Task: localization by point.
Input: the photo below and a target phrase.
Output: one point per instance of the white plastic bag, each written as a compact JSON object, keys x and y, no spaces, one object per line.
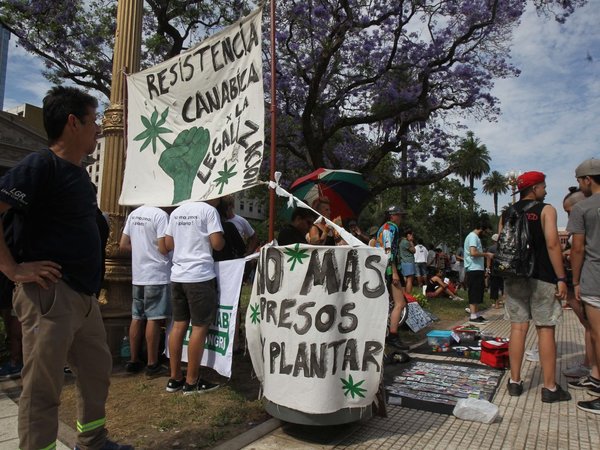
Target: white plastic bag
{"x":475,"y":410}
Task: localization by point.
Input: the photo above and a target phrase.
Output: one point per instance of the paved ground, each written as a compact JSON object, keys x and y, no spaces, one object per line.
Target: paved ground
{"x":525,"y":423}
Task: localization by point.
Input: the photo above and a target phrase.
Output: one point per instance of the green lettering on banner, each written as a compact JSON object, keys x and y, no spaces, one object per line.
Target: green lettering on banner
{"x":217,"y":341}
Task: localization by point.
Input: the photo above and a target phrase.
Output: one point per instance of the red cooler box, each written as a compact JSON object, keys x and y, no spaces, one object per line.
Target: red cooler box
{"x":494,"y":354}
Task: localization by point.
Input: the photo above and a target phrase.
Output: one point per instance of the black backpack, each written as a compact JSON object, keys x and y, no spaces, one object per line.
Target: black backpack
{"x":515,"y":255}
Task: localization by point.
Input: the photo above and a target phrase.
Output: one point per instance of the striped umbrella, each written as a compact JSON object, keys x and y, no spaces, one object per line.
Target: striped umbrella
{"x":346,"y":190}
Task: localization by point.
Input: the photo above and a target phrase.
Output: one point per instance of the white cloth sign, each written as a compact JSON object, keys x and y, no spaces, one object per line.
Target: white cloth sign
{"x":316,"y":325}
{"x":218,"y":348}
{"x":195,"y":123}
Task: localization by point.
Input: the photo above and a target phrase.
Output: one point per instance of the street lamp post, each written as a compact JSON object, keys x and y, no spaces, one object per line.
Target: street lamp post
{"x":511,"y":180}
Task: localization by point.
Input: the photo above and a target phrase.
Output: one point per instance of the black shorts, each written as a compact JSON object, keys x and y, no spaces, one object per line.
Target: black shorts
{"x":475,"y":286}
{"x":195,"y":302}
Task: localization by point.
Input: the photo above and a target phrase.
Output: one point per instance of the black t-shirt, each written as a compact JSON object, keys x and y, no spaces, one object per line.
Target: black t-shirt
{"x":234,"y":244}
{"x":59,"y":207}
{"x":289,"y":234}
{"x":542,"y":267}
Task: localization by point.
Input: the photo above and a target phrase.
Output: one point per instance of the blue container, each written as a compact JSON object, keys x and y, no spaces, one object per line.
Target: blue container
{"x":439,"y":340}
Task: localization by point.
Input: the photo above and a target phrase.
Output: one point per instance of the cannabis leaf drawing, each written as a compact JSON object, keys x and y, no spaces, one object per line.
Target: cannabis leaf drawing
{"x":182,"y":159}
{"x":255,"y":313}
{"x":224,"y":177}
{"x":296,"y":255}
{"x":154,"y":128}
{"x":352,"y":388}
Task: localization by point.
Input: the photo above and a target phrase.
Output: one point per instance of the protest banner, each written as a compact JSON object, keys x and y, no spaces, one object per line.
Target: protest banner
{"x":195,"y":123}
{"x":218,"y":348}
{"x":316,"y":324}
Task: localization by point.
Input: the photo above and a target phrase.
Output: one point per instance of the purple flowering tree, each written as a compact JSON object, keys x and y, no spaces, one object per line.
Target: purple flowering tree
{"x":376,"y":86}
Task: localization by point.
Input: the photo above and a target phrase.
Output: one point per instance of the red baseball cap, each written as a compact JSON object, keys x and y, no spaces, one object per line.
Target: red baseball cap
{"x":529,"y":179}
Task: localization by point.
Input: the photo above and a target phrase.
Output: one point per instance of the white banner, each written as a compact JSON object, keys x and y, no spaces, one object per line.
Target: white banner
{"x":218,"y":348}
{"x":195,"y":123}
{"x":316,"y":325}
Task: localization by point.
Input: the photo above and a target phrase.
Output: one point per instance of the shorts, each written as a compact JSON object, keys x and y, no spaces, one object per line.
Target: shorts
{"x":591,"y":300}
{"x":530,"y":299}
{"x":195,"y":302}
{"x":475,"y":286}
{"x":408,"y":269}
{"x":151,"y":302}
{"x":421,"y":269}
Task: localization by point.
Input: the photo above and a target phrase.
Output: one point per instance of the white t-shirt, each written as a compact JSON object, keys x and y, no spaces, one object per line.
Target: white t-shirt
{"x":243,"y":227}
{"x":144,"y":226}
{"x":190,"y":226}
{"x":420,"y":253}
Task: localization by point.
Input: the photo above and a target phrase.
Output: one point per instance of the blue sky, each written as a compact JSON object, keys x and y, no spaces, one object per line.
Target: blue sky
{"x":549,"y":113}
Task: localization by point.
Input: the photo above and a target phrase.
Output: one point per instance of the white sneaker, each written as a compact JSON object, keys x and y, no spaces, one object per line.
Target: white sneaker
{"x":576,"y":371}
{"x":532,"y":355}
{"x":468,"y":310}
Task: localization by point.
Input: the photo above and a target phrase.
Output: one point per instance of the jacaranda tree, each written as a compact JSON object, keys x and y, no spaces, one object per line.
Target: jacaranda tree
{"x":358,"y":81}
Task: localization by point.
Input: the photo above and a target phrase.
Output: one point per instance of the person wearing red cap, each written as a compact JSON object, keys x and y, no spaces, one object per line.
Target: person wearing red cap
{"x":537,"y":298}
{"x":584,"y":224}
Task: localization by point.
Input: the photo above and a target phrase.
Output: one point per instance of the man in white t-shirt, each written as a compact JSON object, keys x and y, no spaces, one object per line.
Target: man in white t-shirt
{"x":421,"y":263}
{"x":144,"y":237}
{"x":194,"y":231}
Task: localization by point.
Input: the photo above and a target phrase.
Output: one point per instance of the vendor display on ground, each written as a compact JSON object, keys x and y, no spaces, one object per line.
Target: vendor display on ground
{"x":437,"y":385}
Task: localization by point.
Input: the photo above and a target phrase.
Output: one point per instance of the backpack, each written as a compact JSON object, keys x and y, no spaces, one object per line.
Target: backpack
{"x":515,"y":255}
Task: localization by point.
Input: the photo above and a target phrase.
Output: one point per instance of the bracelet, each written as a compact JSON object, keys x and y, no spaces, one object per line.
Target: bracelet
{"x":563,"y":279}
{"x":575,"y":283}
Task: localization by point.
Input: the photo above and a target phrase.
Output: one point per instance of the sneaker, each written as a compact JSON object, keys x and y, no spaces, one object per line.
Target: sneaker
{"x":174,"y":385}
{"x":585,"y":382}
{"x":559,"y":395}
{"x":592,"y":406}
{"x":576,"y":371}
{"x":515,"y":389}
{"x":200,"y":387}
{"x":468,"y":310}
{"x":395,"y":341}
{"x":134,"y":366}
{"x":9,"y":371}
{"x":110,"y":445}
{"x":479,"y":319}
{"x":156,"y":370}
{"x":456,"y":298}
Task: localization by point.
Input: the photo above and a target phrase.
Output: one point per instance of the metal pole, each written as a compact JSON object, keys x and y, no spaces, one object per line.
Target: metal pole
{"x":273,"y":125}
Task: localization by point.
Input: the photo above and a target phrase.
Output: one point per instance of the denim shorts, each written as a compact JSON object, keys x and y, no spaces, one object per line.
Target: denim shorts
{"x":151,"y":302}
{"x":530,"y":299}
{"x":195,"y":302}
{"x":421,"y":269}
{"x":408,"y":269}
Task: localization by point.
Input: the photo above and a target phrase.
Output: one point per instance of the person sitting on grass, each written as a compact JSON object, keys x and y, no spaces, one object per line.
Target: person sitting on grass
{"x":437,"y":287}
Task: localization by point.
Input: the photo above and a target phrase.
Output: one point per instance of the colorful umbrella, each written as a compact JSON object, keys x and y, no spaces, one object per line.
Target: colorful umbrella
{"x":346,"y":190}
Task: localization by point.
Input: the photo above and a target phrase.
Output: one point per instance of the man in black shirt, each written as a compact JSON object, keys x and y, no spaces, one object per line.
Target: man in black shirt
{"x":58,"y":277}
{"x":537,"y":298}
{"x":295,"y":232}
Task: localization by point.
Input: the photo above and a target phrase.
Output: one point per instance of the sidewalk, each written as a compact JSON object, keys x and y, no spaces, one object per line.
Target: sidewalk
{"x":526,"y":422}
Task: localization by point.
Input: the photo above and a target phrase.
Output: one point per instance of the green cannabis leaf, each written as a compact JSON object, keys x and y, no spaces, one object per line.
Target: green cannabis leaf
{"x":224,"y":177}
{"x":255,"y":313}
{"x":153,"y":130}
{"x":296,"y":255}
{"x":182,"y":159}
{"x":352,"y":388}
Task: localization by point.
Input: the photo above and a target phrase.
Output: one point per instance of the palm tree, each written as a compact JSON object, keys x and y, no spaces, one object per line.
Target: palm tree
{"x":471,"y":162}
{"x":495,"y":184}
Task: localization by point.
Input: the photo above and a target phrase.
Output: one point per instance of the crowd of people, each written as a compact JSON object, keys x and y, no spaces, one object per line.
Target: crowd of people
{"x":57,"y":268}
